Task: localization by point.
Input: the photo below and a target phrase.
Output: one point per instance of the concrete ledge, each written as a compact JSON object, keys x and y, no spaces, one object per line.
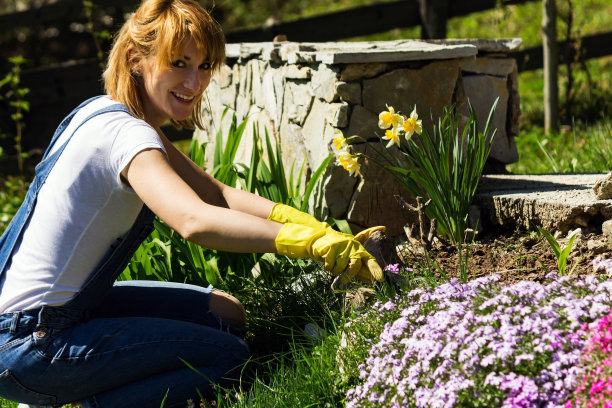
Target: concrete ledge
{"x":552,"y":201}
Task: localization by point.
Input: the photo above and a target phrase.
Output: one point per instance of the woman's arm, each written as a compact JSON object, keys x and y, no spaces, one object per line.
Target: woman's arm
{"x":166,"y":193}
{"x":213,"y":191}
{"x":200,"y":217}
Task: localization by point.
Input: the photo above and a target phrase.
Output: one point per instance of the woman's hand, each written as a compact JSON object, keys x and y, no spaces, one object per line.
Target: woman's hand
{"x":342,"y":254}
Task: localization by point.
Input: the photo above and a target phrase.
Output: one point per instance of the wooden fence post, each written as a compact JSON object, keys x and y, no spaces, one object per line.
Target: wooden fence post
{"x":551,"y":66}
{"x":434,"y":14}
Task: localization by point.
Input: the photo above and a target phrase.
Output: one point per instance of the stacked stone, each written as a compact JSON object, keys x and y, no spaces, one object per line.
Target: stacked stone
{"x":301,"y":93}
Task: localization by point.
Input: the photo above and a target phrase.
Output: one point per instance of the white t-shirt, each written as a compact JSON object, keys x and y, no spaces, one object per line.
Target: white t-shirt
{"x":82,"y":209}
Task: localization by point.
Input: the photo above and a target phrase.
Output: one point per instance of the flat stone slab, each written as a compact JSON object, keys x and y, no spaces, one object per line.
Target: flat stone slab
{"x":553,"y":201}
{"x":363,"y":52}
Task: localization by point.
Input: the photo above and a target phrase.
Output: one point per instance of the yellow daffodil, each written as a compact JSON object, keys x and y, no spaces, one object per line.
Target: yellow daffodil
{"x":392,"y":136}
{"x":349,"y":162}
{"x":344,"y":158}
{"x":339,"y":141}
{"x":389,"y":118}
{"x":353,"y":166}
{"x":412,"y":124}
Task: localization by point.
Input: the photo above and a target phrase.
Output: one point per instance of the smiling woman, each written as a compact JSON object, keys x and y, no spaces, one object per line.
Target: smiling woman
{"x":172,"y":92}
{"x":174,"y":26}
{"x":67,"y":331}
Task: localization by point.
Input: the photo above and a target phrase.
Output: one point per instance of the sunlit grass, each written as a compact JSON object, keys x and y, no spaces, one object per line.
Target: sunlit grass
{"x":307,"y":376}
{"x":577,"y":149}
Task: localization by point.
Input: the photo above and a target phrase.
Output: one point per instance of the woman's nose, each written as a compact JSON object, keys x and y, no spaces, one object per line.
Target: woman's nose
{"x":193,"y":81}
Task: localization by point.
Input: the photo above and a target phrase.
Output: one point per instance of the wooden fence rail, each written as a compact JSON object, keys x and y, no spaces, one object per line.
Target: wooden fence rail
{"x":333,"y":26}
{"x":353,"y":22}
{"x":358,"y":21}
{"x":66,"y":10}
{"x":590,"y":46}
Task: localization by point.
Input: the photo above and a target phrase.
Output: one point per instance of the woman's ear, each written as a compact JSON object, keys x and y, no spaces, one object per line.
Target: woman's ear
{"x":135,"y":61}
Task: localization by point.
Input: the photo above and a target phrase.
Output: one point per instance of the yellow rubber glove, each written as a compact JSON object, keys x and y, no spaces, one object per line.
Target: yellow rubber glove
{"x":283,"y":213}
{"x":340,"y":253}
{"x":371,"y":271}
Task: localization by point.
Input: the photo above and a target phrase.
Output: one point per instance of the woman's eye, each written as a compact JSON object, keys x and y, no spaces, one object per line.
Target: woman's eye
{"x":205,"y":66}
{"x":178,"y":64}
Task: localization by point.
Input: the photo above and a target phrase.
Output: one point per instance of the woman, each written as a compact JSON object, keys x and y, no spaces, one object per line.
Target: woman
{"x":67,"y":331}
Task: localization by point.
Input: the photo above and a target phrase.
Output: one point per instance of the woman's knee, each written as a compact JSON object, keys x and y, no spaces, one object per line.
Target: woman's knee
{"x":228,"y":308}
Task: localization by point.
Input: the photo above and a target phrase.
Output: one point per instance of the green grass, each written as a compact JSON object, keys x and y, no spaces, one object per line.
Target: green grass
{"x":577,"y":149}
{"x":307,"y":376}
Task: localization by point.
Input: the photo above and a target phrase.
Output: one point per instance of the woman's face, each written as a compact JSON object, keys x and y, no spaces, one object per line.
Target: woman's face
{"x":172,"y":92}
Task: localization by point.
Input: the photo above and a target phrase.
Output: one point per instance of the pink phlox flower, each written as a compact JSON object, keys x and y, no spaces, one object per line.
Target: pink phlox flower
{"x":394,"y":268}
{"x":597,"y":386}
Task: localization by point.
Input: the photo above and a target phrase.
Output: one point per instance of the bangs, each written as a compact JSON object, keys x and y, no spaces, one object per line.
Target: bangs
{"x":185,"y":22}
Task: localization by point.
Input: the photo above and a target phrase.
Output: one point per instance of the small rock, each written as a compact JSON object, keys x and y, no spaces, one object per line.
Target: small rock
{"x":382,"y":247}
{"x":597,"y":246}
{"x":603,"y":188}
{"x":314,"y":332}
{"x":470,"y":235}
{"x":606,"y":229}
{"x":359,"y":298}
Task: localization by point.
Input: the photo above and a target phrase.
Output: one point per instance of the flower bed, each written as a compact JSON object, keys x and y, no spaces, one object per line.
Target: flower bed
{"x":480,"y":344}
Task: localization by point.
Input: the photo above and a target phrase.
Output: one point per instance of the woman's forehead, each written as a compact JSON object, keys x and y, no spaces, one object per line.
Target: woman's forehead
{"x":190,"y":50}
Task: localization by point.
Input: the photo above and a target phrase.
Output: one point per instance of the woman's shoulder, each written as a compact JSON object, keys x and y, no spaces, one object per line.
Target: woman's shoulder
{"x":104,"y":112}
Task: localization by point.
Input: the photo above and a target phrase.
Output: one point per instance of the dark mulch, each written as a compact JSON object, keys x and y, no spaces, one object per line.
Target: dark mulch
{"x":520,"y":255}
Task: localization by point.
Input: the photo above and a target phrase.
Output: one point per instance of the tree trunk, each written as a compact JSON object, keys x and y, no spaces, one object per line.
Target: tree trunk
{"x":434,"y":14}
{"x":551,"y":65}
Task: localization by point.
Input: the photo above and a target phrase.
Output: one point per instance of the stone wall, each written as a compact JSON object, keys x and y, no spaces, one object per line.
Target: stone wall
{"x":303,"y":92}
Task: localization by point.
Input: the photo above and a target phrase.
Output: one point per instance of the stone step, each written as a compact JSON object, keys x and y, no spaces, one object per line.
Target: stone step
{"x":554,"y":202}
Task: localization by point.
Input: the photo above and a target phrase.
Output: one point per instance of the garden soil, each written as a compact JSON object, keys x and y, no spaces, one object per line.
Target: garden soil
{"x":510,"y":207}
{"x":521,"y":256}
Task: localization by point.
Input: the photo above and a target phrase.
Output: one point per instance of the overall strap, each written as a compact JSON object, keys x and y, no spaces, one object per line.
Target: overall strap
{"x":46,"y":165}
{"x":13,"y":232}
{"x":64,"y":124}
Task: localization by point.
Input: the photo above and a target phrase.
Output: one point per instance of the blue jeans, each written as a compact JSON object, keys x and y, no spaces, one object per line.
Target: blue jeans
{"x":131,"y":350}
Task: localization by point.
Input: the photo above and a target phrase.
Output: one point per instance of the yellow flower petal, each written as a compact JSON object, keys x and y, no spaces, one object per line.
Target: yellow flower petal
{"x":344,"y":158}
{"x":349,"y":162}
{"x":389,"y":118}
{"x":393,"y":136}
{"x":339,"y":141}
{"x":353,"y":166}
{"x":418,"y":125}
{"x":412,"y":124}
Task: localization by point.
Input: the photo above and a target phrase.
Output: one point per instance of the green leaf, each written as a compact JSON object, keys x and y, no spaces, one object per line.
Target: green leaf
{"x":560,"y":254}
{"x":17,"y":60}
{"x":562,"y":261}
{"x":551,"y":241}
{"x":314,"y":180}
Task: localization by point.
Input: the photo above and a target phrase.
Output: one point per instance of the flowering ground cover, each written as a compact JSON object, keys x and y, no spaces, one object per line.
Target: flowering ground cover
{"x":483,"y":343}
{"x":595,"y":387}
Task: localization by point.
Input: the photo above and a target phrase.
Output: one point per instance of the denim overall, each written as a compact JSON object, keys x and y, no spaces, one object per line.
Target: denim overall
{"x":125,"y":344}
